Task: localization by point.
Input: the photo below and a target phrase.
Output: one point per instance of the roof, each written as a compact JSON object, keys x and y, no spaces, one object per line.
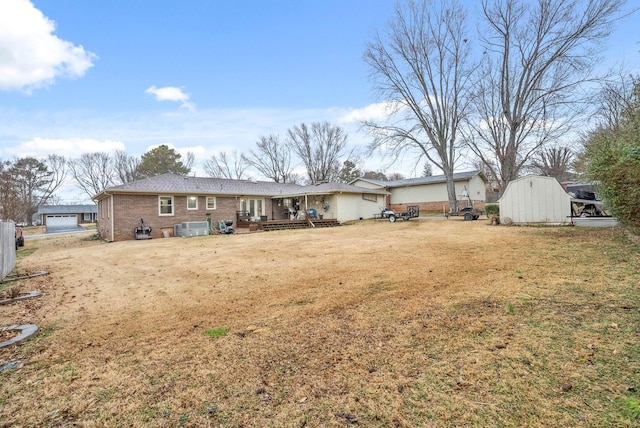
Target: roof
{"x":67,"y":209}
{"x":457,"y":176}
{"x":178,"y":184}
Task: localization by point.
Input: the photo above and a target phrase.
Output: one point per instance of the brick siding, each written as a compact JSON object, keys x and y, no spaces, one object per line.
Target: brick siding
{"x":129,"y":209}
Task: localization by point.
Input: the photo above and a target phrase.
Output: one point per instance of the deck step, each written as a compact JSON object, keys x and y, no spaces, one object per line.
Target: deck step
{"x":297,"y":224}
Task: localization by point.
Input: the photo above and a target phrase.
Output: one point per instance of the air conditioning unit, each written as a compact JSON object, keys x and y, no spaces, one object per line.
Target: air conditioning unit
{"x":195,"y":228}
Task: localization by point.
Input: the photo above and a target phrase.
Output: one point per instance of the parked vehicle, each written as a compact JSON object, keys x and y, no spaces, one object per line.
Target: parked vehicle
{"x":468,"y":212}
{"x":19,"y":237}
{"x":412,"y":212}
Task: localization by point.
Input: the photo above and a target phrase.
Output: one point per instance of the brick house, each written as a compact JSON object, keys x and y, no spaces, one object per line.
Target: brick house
{"x":169,"y":199}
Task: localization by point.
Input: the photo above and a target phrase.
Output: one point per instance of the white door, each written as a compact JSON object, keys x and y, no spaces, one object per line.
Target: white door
{"x":61,"y":221}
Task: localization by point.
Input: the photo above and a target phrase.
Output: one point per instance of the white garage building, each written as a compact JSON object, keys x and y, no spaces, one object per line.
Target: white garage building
{"x":66,"y":216}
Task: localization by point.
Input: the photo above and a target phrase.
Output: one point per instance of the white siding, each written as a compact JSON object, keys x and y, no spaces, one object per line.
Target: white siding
{"x":420,"y":193}
{"x":536,"y":199}
{"x":352,"y":206}
{"x":437,"y":192}
{"x":366,"y":184}
{"x":477,"y":189}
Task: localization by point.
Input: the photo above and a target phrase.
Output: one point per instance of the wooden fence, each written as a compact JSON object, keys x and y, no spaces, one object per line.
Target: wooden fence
{"x":7,"y":248}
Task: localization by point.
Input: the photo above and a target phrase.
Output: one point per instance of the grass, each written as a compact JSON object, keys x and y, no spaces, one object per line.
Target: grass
{"x":422,"y":323}
{"x":216,"y":332}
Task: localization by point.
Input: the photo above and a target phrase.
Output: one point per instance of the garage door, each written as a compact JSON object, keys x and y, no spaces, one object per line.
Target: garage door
{"x":62,"y":221}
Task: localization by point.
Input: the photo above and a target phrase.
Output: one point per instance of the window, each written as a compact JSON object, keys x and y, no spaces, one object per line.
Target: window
{"x":370,"y":197}
{"x":86,"y":217}
{"x":192,"y":202}
{"x":166,"y":205}
{"x":211,"y":202}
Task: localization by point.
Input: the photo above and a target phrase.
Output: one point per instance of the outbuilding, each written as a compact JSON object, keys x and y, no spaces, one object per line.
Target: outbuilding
{"x":430,"y":193}
{"x":535,"y":199}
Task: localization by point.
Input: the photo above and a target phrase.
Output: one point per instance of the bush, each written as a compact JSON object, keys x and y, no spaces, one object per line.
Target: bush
{"x":492,"y":209}
{"x":613,"y":161}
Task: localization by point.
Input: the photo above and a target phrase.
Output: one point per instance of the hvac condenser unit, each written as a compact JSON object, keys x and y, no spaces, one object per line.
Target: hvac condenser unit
{"x":195,"y":228}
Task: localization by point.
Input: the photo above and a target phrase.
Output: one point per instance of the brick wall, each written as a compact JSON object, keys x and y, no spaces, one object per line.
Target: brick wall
{"x":129,"y":209}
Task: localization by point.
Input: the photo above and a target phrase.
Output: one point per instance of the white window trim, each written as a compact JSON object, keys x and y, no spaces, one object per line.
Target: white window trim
{"x":188,"y":199}
{"x":215,"y":202}
{"x":173,"y":208}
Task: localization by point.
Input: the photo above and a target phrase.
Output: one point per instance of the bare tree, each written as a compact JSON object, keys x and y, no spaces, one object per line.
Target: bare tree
{"x":189,"y":160}
{"x":34,"y":183}
{"x":9,"y":200}
{"x":537,"y":57}
{"x":93,"y":172}
{"x":273,"y":159}
{"x":227,"y":165}
{"x":125,"y":166}
{"x":615,"y":101}
{"x":320,"y":148}
{"x":553,"y":162}
{"x":422,"y":67}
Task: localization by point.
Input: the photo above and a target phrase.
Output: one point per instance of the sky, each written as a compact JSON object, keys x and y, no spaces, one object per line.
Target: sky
{"x":203,"y":76}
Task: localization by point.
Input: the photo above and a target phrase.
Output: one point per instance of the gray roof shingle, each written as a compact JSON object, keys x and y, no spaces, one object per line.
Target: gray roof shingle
{"x":67,"y":209}
{"x":173,"y":183}
{"x":422,"y":180}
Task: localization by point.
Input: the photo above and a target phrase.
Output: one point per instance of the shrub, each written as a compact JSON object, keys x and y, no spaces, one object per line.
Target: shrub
{"x":492,"y":209}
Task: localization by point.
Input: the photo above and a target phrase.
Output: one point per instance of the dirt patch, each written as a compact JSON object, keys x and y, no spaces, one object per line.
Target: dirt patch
{"x":415,"y":323}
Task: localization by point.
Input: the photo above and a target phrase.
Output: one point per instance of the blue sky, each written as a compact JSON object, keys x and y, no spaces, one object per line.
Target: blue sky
{"x":201,"y":75}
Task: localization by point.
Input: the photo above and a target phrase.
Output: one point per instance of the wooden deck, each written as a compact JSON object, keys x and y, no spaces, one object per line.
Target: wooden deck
{"x":292,"y":224}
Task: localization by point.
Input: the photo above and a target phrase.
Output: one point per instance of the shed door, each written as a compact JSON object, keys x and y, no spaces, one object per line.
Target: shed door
{"x":69,"y":220}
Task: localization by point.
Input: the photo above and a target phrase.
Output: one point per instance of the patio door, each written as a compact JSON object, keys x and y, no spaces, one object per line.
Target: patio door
{"x":255,"y":207}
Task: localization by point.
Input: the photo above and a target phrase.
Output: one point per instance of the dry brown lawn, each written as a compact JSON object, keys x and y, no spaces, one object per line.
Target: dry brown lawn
{"x":373,"y":324}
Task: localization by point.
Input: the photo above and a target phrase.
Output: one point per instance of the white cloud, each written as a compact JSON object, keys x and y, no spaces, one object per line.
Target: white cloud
{"x":171,"y":93}
{"x":31,"y":56}
{"x":377,"y":111}
{"x":70,"y":148}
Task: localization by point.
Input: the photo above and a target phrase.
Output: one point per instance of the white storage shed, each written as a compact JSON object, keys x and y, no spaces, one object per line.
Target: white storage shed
{"x":535,"y":199}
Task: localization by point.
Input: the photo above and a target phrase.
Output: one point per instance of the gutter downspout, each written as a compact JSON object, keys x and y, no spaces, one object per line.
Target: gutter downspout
{"x":113,"y":220}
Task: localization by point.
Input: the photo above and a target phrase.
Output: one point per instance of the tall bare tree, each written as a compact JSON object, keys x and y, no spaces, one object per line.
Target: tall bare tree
{"x":421,"y":65}
{"x":615,"y":101}
{"x":125,"y":166}
{"x":320,"y":148}
{"x":272,"y":159}
{"x":553,"y":162}
{"x":93,"y":172}
{"x":538,"y":54}
{"x":230,"y":165}
{"x":34,"y":183}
